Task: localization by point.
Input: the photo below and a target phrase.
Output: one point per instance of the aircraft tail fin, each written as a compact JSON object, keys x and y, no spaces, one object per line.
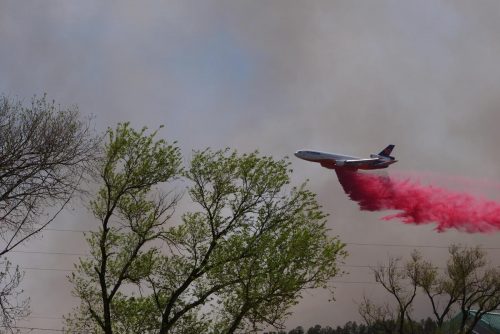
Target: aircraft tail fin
{"x":386,"y":152}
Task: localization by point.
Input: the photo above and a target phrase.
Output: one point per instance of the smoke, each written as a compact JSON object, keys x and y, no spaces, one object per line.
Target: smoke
{"x":421,"y":204}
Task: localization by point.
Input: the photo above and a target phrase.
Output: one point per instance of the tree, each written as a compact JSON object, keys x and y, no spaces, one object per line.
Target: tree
{"x":429,"y":326}
{"x":129,"y":219}
{"x":44,"y":153}
{"x":314,"y":330}
{"x":442,"y":290}
{"x":394,"y":280}
{"x":12,"y":305}
{"x":297,"y":330}
{"x":238,"y":261}
{"x":468,"y":284}
{"x":426,"y":326}
{"x":380,"y":318}
{"x":478,"y":285}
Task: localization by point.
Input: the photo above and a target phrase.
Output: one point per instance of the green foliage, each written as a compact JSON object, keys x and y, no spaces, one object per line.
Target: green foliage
{"x":130,"y":218}
{"x":132,"y":164}
{"x":240,"y":259}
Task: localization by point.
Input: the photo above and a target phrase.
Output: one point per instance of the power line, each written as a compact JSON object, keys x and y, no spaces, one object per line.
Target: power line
{"x":43,"y":317}
{"x":355,"y":282}
{"x":47,"y":269}
{"x":87,"y":255}
{"x":70,"y":270}
{"x":39,"y":329}
{"x":343,"y":266}
{"x":49,"y":253}
{"x":67,"y":230}
{"x":410,"y":245}
{"x":347,"y":243}
{"x":42,"y":329}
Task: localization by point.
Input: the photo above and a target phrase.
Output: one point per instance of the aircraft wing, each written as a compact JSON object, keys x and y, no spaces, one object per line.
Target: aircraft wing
{"x":359,"y":162}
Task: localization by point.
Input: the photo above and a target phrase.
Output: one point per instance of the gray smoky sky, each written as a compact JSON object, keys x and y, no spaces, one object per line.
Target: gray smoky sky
{"x":277,"y":76}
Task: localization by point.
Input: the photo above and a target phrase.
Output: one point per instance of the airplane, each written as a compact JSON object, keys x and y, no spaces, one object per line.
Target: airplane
{"x":340,"y":161}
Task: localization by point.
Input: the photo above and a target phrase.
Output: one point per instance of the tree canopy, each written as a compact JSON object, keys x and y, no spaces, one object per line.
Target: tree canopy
{"x":237,"y":260}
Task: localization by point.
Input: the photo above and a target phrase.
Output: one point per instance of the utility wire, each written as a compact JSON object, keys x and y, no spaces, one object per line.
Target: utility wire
{"x":66,"y":230}
{"x":42,"y":329}
{"x":48,"y":253}
{"x":46,"y":269}
{"x":347,"y":243}
{"x":38,"y":329}
{"x":342,"y":266}
{"x":410,"y":245}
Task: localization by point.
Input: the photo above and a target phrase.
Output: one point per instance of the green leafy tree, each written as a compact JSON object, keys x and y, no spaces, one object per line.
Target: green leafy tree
{"x":130,"y":218}
{"x":236,"y":262}
{"x":248,"y":251}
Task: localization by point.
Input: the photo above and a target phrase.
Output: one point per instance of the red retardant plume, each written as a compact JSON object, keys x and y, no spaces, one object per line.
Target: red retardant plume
{"x":421,"y":204}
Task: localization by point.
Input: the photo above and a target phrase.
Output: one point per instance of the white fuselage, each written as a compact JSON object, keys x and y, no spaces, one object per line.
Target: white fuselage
{"x":317,"y":155}
{"x":334,"y":160}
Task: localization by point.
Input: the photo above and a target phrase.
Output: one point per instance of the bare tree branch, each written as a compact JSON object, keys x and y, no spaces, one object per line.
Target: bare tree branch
{"x":45,"y":153}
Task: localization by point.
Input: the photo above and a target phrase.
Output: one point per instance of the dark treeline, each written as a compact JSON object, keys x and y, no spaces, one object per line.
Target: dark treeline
{"x":423,"y":327}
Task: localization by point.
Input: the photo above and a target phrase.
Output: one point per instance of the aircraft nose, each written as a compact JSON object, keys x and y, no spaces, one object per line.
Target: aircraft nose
{"x":301,"y":154}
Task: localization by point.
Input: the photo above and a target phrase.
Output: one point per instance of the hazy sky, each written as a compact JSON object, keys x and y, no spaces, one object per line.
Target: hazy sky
{"x":278,"y":76}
